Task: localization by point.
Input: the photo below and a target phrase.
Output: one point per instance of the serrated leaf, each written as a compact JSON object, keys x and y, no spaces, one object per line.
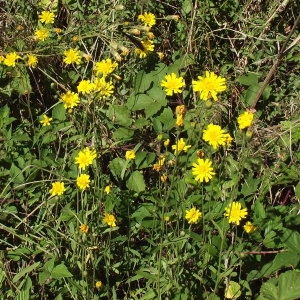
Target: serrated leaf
{"x":288,"y":285}
{"x":120,"y":115}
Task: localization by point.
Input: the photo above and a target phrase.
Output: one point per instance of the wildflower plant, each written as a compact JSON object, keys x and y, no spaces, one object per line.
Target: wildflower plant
{"x":118,"y":181}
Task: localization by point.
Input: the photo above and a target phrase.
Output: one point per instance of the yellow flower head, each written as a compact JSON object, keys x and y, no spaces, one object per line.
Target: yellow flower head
{"x":58,"y":188}
{"x":85,"y":158}
{"x":163,"y":178}
{"x":235,"y":213}
{"x":46,"y":17}
{"x":98,"y":284}
{"x":84,"y":228}
{"x":104,"y":88}
{"x":85,"y":87}
{"x":180,"y":146}
{"x":72,"y":55}
{"x":179,"y":120}
{"x":130,"y":155}
{"x":107,"y":189}
{"x":157,"y":167}
{"x":167,"y":218}
{"x":148,"y":19}
{"x":180,"y":110}
{"x":202,"y":170}
{"x":245,"y":120}
{"x":105,"y":67}
{"x":41,"y":34}
{"x":228,"y":139}
{"x":215,"y":136}
{"x":83,"y":181}
{"x":172,"y":84}
{"x":10,"y":59}
{"x":69,"y":99}
{"x":45,"y":121}
{"x":193,"y":215}
{"x":209,"y":86}
{"x":32,"y":61}
{"x":110,"y":220}
{"x":249,"y":227}
{"x":166,"y":142}
{"x":147,"y":47}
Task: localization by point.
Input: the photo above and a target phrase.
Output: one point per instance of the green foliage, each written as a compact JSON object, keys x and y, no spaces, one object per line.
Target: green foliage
{"x":129,"y":232}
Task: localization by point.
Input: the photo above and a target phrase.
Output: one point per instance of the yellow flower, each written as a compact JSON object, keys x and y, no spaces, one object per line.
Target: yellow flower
{"x":107,"y":189}
{"x":85,"y":87}
{"x":110,"y":220}
{"x":83,"y":181}
{"x":180,"y":110}
{"x":58,"y":30}
{"x":214,"y":135}
{"x":157,"y":167}
{"x":179,"y":120}
{"x":129,"y":155}
{"x":10,"y":59}
{"x":150,"y":35}
{"x":172,"y":84}
{"x":85,"y":158}
{"x":148,"y":19}
{"x":105,"y":67}
{"x":245,"y":120}
{"x":249,"y":227}
{"x":166,"y":142}
{"x":46,"y":17}
{"x":32,"y":61}
{"x":180,"y":146}
{"x":104,"y":88}
{"x":202,"y":170}
{"x":46,"y":121}
{"x":41,"y":34}
{"x":209,"y":86}
{"x":58,"y":188}
{"x":167,"y":218}
{"x":193,"y":215}
{"x":235,"y":213}
{"x":72,"y":55}
{"x":84,"y":228}
{"x":98,"y":284}
{"x":69,"y":99}
{"x":160,"y":55}
{"x":163,"y":178}
{"x":228,"y":139}
{"x":147,"y":47}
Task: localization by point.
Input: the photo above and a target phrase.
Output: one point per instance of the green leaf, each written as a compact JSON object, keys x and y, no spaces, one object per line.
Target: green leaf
{"x":291,"y":239}
{"x":249,"y":79}
{"x":60,"y":271}
{"x":288,"y":285}
{"x":281,"y":260}
{"x":120,"y":115}
{"x":285,"y":287}
{"x":142,"y":82}
{"x":144,"y":159}
{"x":16,"y":174}
{"x":139,"y":102}
{"x":136,"y":182}
{"x":25,"y":271}
{"x":59,"y":112}
{"x":116,"y":166}
{"x":123,"y":133}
